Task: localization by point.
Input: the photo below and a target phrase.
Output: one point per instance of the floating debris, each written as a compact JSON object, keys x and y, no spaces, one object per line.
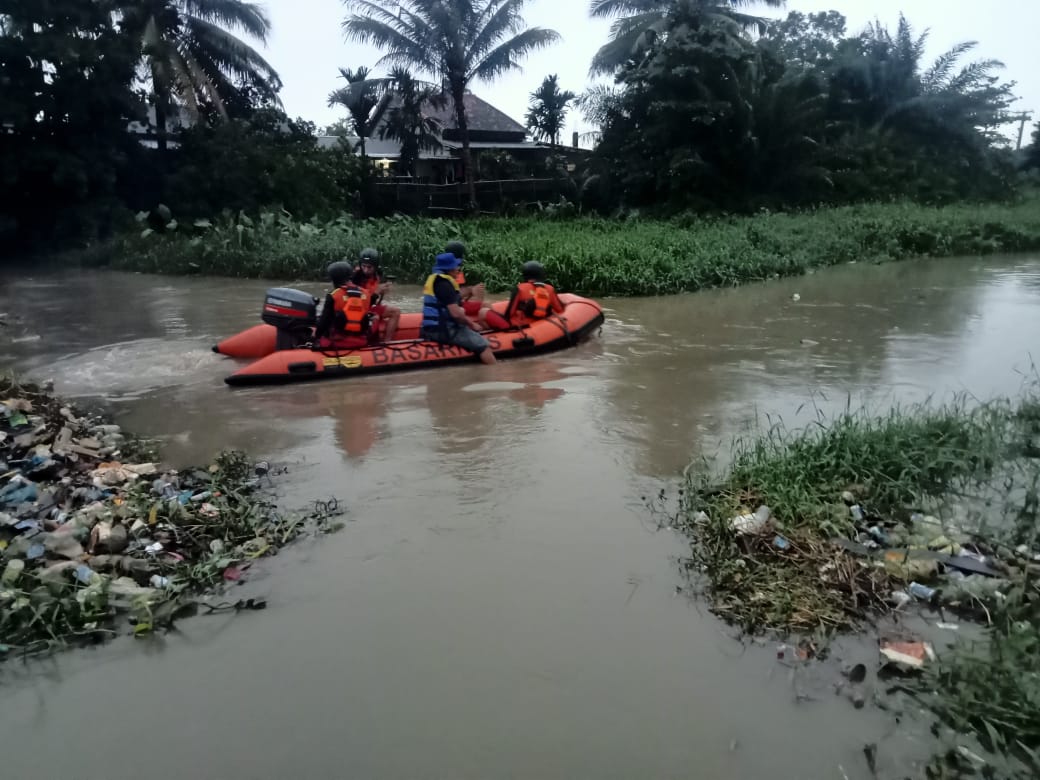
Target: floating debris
{"x":751,"y":523}
{"x":907,"y":655}
{"x":91,"y":526}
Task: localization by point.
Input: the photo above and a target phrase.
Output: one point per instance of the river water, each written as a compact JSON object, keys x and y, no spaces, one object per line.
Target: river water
{"x":500,"y":603}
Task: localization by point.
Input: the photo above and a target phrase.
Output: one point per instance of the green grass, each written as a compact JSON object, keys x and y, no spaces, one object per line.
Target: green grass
{"x":895,"y":464}
{"x":593,"y":256}
{"x":920,"y":457}
{"x":897,"y":461}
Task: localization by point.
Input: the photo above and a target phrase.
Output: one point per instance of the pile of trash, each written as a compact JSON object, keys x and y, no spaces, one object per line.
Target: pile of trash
{"x":88,"y":532}
{"x":766,"y":575}
{"x":935,"y":563}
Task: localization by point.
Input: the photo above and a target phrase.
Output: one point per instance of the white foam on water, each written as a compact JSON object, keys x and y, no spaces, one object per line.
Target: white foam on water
{"x":130,"y":369}
{"x":480,"y":387}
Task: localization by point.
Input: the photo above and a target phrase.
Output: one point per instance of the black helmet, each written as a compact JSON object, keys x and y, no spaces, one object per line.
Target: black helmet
{"x":340,"y":272}
{"x":456,"y":248}
{"x":370,"y":255}
{"x":533,"y":270}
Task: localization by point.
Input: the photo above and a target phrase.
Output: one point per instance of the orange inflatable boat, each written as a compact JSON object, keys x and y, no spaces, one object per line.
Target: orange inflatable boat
{"x":278,"y":347}
{"x":261,"y":340}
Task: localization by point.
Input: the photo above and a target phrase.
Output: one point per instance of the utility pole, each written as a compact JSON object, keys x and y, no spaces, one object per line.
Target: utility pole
{"x":1024,"y":117}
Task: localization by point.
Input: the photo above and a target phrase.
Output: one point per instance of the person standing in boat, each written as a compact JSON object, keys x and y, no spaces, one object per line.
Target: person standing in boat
{"x":373,"y":284}
{"x":444,"y":320}
{"x":346,"y":317}
{"x":472,"y":295}
{"x":532,"y":300}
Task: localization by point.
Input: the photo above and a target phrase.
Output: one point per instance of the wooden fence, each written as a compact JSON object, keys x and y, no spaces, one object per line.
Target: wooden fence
{"x":452,"y":199}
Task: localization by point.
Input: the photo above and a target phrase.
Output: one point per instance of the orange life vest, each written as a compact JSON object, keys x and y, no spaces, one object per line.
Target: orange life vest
{"x":460,"y":277}
{"x":369,"y":285}
{"x":353,"y":303}
{"x":536,"y":299}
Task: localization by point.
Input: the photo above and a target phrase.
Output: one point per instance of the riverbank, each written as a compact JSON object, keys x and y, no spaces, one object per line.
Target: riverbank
{"x":93,"y":531}
{"x":592,"y":256}
{"x":861,"y":518}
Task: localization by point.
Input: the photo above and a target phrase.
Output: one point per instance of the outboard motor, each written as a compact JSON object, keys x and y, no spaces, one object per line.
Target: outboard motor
{"x":293,"y":313}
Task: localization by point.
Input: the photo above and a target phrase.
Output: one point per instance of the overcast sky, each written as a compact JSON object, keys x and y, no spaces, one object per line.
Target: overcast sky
{"x":307,"y":46}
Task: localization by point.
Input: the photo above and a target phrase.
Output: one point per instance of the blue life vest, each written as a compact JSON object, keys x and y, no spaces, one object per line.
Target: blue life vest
{"x":435,"y":314}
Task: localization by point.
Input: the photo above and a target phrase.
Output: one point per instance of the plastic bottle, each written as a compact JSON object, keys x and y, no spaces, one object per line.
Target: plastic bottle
{"x":923,"y":592}
{"x":12,"y":572}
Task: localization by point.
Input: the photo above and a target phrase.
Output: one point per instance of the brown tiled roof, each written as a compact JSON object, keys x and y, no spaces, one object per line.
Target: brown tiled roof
{"x":481,"y":116}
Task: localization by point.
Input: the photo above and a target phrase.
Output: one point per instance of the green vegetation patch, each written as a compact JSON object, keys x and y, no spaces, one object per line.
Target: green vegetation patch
{"x":836,"y":487}
{"x":823,"y":529}
{"x":592,"y":256}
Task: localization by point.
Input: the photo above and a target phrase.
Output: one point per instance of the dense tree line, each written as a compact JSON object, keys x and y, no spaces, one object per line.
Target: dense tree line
{"x":65,"y":101}
{"x":704,"y":114}
{"x":76,"y":74}
{"x":711,"y":108}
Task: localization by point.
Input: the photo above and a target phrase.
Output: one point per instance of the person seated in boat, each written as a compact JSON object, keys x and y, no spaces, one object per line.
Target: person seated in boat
{"x":444,"y":320}
{"x":472,"y":295}
{"x":532,"y":300}
{"x":347,"y":319}
{"x":377,"y":288}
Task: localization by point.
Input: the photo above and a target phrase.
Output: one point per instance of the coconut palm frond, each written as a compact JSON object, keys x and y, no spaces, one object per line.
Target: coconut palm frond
{"x":506,"y":56}
{"x":203,"y":83}
{"x":497,"y":21}
{"x":195,"y":55}
{"x":608,"y":8}
{"x":246,"y":17}
{"x":233,"y":56}
{"x":182,"y":85}
{"x":940,"y":70}
{"x":398,"y":47}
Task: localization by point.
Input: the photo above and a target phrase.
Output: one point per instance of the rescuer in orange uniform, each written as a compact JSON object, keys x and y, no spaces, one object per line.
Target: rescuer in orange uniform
{"x":376,"y":288}
{"x":347,"y":319}
{"x":532,"y":300}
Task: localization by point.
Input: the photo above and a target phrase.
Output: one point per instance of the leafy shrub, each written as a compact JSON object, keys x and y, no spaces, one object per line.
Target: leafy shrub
{"x":594,"y":256}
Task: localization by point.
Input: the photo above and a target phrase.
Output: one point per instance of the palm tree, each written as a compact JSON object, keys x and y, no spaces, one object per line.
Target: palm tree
{"x":405,"y":121}
{"x":193,"y":56}
{"x":638,"y":21}
{"x":360,"y":97}
{"x":548,"y":110}
{"x":882,"y":86}
{"x":455,"y":41}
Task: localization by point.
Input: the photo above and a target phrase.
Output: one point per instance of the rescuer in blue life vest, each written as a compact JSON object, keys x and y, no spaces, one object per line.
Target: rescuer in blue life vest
{"x":444,"y":320}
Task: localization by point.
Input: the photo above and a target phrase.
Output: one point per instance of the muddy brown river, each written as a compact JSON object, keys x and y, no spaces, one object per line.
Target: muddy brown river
{"x":500,"y":603}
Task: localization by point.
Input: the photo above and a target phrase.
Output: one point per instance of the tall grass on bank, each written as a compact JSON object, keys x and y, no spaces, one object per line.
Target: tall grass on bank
{"x":975,"y":465}
{"x":979,"y":460}
{"x":594,"y":256}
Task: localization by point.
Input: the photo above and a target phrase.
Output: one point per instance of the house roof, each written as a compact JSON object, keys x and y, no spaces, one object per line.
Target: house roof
{"x":480,"y":115}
